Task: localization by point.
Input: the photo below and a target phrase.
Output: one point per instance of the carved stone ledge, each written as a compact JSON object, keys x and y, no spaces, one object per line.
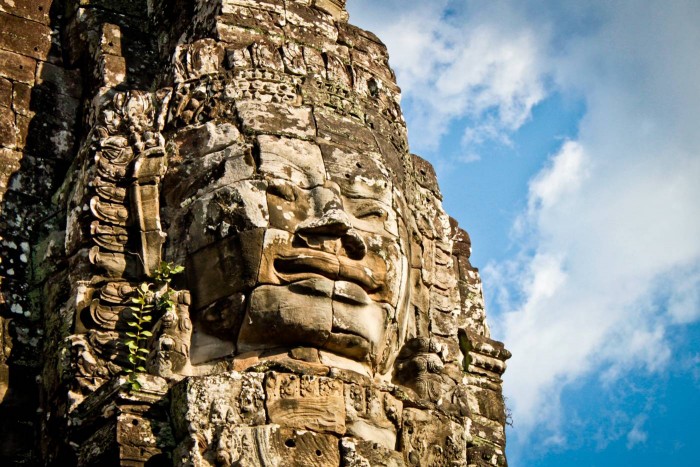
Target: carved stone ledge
{"x":335,"y":8}
{"x":116,"y":426}
{"x":482,"y":353}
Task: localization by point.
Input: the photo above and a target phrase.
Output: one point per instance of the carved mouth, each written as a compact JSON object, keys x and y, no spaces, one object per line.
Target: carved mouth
{"x":308,"y":264}
{"x":349,"y":344}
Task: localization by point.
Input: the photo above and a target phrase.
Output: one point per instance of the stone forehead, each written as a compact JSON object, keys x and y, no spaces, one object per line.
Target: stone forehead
{"x":215,"y":154}
{"x":296,"y":160}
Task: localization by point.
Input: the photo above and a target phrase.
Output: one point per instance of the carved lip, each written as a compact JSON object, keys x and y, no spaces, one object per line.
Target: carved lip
{"x":309,"y":263}
{"x":351,"y":293}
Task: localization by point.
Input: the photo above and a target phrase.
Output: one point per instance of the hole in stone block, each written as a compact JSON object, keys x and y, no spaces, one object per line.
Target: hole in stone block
{"x":373,"y":87}
{"x":319,"y":453}
{"x":290,"y":443}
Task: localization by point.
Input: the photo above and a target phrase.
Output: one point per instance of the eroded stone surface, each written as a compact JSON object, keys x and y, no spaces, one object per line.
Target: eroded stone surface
{"x":328,"y":313}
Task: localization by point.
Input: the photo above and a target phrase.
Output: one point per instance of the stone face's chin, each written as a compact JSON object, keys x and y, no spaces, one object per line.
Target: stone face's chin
{"x":337,"y":316}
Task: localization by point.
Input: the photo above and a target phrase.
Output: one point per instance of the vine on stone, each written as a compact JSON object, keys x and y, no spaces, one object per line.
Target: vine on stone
{"x":145,"y":304}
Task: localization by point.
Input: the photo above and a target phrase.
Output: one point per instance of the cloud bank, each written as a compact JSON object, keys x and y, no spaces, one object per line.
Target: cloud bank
{"x":610,"y":259}
{"x":451,"y":68}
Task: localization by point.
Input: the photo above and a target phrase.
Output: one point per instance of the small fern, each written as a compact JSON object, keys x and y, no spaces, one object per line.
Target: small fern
{"x":145,"y":304}
{"x":142,"y":313}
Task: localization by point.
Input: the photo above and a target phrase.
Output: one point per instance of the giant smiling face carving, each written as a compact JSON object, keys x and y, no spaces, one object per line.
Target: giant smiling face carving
{"x":300,"y":246}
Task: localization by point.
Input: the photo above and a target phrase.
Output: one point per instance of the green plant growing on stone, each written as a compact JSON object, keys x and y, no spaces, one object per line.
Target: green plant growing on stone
{"x":165,"y":272}
{"x":145,"y":304}
{"x":141,"y":314}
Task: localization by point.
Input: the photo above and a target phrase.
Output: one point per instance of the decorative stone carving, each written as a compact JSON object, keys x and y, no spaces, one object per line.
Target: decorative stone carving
{"x":170,"y":345}
{"x":272,"y":445}
{"x":420,"y":367}
{"x":127,"y":238}
{"x":200,"y":58}
{"x":306,"y":402}
{"x":362,"y":453}
{"x":429,"y":438}
{"x":328,"y":313}
{"x":373,"y":415}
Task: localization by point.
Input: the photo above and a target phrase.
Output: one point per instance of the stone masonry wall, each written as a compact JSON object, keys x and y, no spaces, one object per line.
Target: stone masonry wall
{"x":135,"y":131}
{"x":39,"y":108}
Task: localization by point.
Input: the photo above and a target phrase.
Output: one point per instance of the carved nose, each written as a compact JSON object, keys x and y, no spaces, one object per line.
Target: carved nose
{"x":334,"y":223}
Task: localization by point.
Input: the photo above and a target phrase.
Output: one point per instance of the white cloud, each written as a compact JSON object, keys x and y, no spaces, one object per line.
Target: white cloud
{"x":684,"y":300}
{"x":563,"y":176}
{"x":469,"y":157}
{"x":618,"y":207}
{"x":618,"y":425}
{"x":452,"y":66}
{"x":637,"y":435}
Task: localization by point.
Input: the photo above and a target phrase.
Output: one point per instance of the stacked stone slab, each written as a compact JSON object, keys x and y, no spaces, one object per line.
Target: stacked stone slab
{"x":328,"y":314}
{"x":39,"y":107}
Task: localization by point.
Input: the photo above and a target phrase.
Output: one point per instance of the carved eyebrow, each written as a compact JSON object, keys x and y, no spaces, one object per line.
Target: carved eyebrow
{"x":368,"y":208}
{"x":364,"y":190}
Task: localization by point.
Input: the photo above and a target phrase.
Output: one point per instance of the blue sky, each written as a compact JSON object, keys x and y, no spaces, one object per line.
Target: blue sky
{"x":566,"y":138}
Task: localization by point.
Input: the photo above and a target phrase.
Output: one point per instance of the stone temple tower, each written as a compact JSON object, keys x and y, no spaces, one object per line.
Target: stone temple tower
{"x":218,"y":249}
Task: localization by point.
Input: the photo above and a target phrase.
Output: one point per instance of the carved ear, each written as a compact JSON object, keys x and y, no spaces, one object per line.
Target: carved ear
{"x":403,"y":324}
{"x":387,"y":354}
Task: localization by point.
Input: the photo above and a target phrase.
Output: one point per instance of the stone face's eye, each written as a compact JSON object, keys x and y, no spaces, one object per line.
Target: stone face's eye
{"x":282,"y":190}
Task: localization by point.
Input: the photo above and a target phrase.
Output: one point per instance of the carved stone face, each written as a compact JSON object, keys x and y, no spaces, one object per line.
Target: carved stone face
{"x":302,"y":246}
